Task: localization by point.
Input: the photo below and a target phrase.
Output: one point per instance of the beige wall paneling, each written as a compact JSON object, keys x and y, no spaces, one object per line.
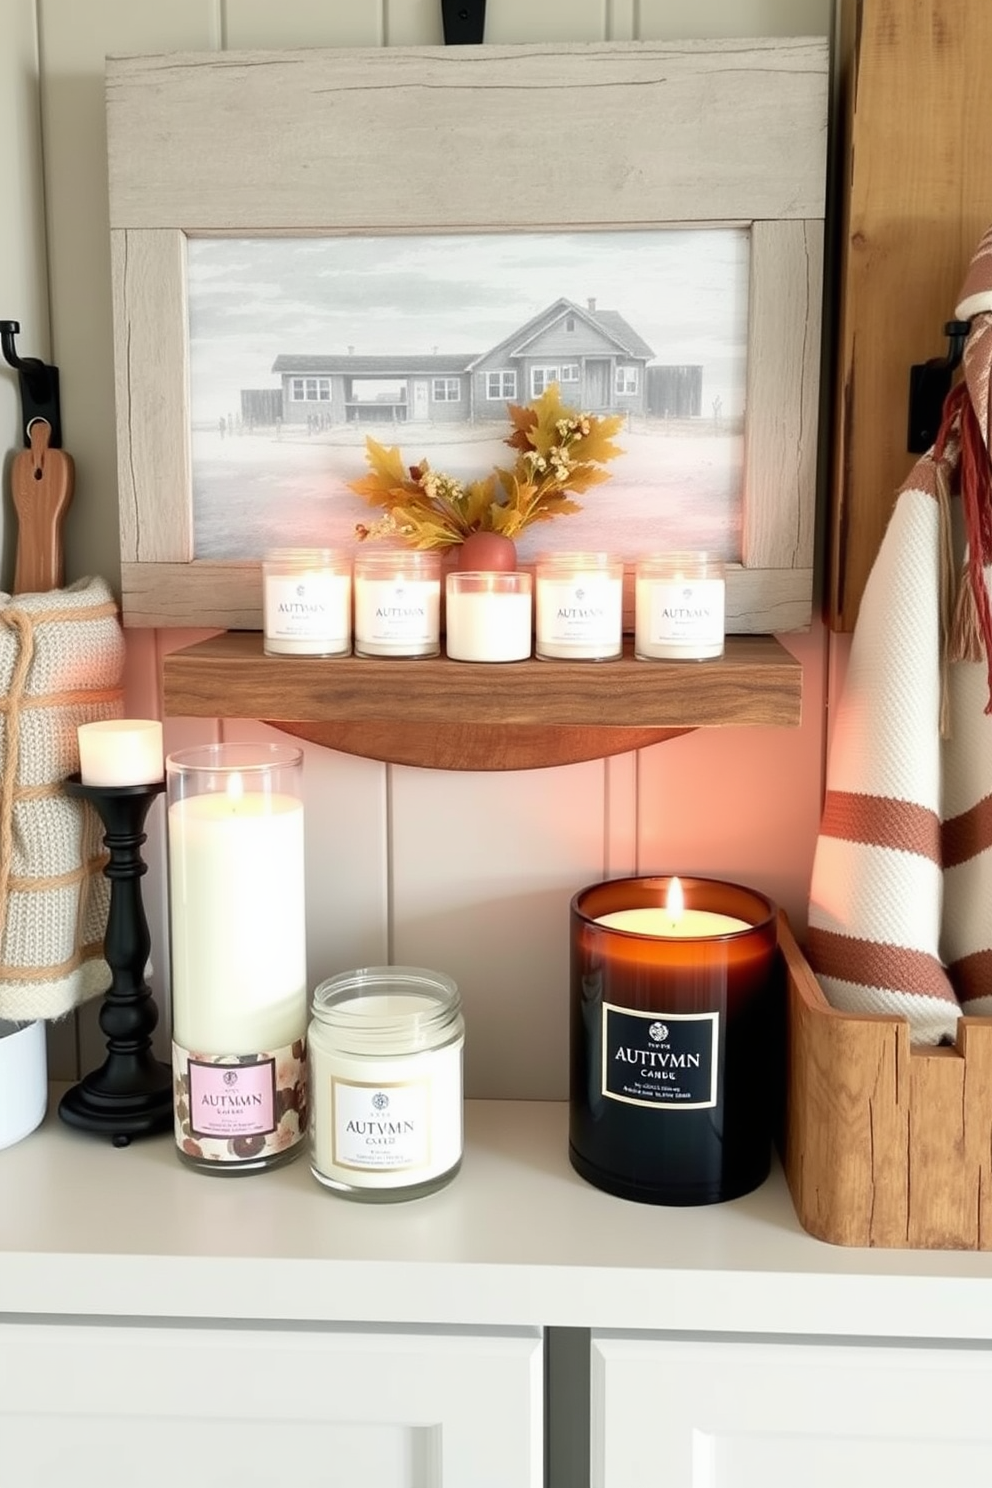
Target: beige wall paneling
{"x":301,"y":23}
{"x":511,"y":21}
{"x":75,"y":39}
{"x":483,"y":869}
{"x":620,"y":827}
{"x":680,"y":18}
{"x":23,"y":273}
{"x":412,"y":23}
{"x":621,"y":20}
{"x":742,"y":804}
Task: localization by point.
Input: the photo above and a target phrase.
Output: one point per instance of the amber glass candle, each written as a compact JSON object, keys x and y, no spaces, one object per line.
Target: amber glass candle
{"x":673,"y":1055}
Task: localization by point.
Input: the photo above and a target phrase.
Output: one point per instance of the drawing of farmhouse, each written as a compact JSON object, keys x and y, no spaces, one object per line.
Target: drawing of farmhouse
{"x":598,"y":360}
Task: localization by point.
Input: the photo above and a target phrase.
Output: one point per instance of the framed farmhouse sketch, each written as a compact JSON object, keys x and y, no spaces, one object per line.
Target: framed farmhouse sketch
{"x":314,"y":246}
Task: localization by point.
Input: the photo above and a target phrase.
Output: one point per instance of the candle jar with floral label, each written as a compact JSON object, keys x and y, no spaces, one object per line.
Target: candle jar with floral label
{"x":238,"y":936}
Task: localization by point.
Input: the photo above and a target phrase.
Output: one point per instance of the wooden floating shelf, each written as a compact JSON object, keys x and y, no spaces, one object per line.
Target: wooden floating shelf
{"x":464,"y":715}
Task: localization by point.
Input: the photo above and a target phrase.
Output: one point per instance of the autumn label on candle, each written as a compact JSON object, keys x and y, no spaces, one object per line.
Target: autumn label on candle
{"x":665,"y":1059}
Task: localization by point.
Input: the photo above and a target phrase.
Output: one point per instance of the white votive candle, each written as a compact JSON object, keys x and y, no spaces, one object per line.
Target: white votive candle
{"x":488,"y":616}
{"x":120,"y":751}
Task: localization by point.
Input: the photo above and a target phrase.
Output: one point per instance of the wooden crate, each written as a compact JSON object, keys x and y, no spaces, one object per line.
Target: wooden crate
{"x":884,"y":1144}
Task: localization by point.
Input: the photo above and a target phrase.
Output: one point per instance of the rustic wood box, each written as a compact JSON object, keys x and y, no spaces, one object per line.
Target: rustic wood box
{"x":884,"y":1144}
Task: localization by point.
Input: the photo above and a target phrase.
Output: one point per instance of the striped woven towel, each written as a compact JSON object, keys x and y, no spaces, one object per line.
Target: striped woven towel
{"x":900,"y":914}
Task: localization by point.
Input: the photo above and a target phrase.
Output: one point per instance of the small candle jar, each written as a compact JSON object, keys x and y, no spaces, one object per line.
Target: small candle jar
{"x":306,"y":602}
{"x":488,"y":616}
{"x":397,"y":602}
{"x":675,"y":1059}
{"x":679,"y":607}
{"x":385,"y":1052}
{"x":238,"y":935}
{"x":579,"y":607}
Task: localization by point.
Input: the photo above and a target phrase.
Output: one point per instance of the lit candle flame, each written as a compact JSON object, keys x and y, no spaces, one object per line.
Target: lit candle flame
{"x":235,"y":788}
{"x":675,"y":902}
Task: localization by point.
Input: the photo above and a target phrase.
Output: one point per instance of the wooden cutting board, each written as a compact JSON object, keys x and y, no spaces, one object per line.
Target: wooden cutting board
{"x":41,"y":481}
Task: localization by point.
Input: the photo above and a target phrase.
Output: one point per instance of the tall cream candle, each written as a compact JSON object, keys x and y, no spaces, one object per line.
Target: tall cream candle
{"x":238,"y":923}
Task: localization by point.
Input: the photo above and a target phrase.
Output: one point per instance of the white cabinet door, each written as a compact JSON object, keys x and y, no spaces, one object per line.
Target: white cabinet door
{"x":722,"y":1414}
{"x":121,"y":1406}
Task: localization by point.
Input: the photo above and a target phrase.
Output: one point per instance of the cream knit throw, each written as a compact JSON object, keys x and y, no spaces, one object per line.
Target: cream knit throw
{"x":900,"y":915}
{"x":61,"y":664}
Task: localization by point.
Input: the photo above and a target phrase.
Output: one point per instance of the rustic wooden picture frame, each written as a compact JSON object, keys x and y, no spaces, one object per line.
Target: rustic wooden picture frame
{"x":434,"y":139}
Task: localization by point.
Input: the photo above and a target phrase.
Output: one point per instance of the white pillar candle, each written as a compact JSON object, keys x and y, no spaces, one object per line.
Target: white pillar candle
{"x":679,"y":606}
{"x":579,"y":607}
{"x":397,"y":603}
{"x":120,"y":751}
{"x":488,"y":616}
{"x":237,"y":905}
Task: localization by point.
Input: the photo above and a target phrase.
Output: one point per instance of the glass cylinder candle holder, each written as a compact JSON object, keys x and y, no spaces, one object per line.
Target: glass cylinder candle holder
{"x":397,"y":602}
{"x":306,"y":595}
{"x":579,"y":607}
{"x":238,"y":937}
{"x":679,"y":607}
{"x":673,"y":1053}
{"x":488,"y":616}
{"x":385,"y":1053}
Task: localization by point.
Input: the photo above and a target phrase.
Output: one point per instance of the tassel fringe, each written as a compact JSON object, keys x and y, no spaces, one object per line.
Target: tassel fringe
{"x":970,"y":634}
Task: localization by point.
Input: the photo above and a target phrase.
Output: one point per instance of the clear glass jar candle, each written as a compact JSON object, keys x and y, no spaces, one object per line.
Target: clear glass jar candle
{"x":679,"y":607}
{"x":237,"y":920}
{"x":306,"y":602}
{"x":579,"y":607}
{"x":385,"y":1054}
{"x":488,"y":616}
{"x":397,"y":602}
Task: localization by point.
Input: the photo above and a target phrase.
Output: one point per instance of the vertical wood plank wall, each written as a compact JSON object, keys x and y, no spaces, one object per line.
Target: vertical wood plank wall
{"x":469,"y":873}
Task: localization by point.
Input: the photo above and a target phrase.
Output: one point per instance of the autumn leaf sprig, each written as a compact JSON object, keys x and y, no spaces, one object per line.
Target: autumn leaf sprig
{"x":558,"y":449}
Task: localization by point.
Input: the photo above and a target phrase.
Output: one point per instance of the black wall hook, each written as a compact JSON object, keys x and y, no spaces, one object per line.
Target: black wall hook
{"x":929,"y":385}
{"x":39,"y":387}
{"x":464,"y":21}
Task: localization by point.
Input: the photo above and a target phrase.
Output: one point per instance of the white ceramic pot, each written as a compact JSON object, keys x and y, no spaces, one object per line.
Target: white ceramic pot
{"x":23,"y":1079}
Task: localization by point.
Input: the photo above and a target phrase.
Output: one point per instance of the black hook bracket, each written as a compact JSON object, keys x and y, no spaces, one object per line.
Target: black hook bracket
{"x":464,"y":21}
{"x":929,"y":385}
{"x":39,"y":387}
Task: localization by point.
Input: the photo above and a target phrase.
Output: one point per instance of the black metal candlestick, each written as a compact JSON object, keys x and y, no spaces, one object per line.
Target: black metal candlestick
{"x":130,"y":1095}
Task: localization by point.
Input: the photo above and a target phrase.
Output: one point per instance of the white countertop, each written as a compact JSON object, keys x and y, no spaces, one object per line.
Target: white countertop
{"x":517,"y":1239}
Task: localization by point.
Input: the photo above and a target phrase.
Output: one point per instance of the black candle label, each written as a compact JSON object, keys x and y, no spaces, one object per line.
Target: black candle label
{"x":666,"y":1060}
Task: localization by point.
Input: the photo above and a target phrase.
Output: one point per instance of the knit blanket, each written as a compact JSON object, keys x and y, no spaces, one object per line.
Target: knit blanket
{"x":61,"y":664}
{"x":900,"y":912}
